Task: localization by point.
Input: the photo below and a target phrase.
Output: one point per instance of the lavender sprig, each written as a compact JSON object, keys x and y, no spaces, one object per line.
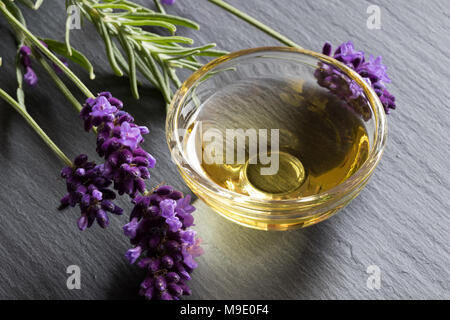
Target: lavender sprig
{"x":371,"y":70}
{"x":163,"y":243}
{"x":23,"y":32}
{"x":121,"y":23}
{"x":25,"y":55}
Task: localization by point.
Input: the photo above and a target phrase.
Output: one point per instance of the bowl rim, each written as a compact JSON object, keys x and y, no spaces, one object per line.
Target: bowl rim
{"x":357,"y":179}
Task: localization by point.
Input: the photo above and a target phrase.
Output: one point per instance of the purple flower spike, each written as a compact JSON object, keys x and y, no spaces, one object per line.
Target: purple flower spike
{"x":158,"y":227}
{"x":119,"y":143}
{"x":88,"y":188}
{"x":167,"y":247}
{"x":169,"y":2}
{"x":371,"y":70}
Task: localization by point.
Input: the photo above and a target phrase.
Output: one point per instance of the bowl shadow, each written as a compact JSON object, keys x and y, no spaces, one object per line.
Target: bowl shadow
{"x":242,"y":263}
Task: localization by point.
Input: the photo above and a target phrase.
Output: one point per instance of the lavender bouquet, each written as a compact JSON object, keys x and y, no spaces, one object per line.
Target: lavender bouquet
{"x":159,"y":228}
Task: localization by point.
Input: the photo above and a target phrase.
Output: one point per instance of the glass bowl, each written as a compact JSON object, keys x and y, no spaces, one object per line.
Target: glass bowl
{"x":305,"y":69}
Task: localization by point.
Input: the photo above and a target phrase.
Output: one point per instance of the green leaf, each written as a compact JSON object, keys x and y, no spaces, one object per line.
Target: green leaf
{"x":131,"y":63}
{"x":163,"y":17}
{"x":155,"y":23}
{"x":175,"y":51}
{"x":32,"y":5}
{"x":109,"y":49}
{"x":19,"y":76}
{"x":21,"y":97}
{"x":17,"y":13}
{"x":145,"y":71}
{"x":37,"y":4}
{"x":67,"y":35}
{"x":212,"y":53}
{"x":157,"y":73}
{"x":159,"y":6}
{"x":182,"y":64}
{"x":20,"y":93}
{"x":163,"y":40}
{"x":77,"y":57}
{"x":28,"y":3}
{"x":119,"y":6}
{"x":120,"y":59}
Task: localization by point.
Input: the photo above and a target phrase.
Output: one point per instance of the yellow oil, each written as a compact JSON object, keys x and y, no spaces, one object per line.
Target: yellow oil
{"x":321,"y":142}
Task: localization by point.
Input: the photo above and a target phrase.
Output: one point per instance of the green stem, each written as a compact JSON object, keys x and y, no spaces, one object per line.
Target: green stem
{"x":44,"y":49}
{"x":271,"y":32}
{"x":35,"y":126}
{"x":159,"y":6}
{"x":59,"y":83}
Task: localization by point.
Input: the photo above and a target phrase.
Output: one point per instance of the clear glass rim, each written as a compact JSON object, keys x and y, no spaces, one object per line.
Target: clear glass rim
{"x":207,"y":186}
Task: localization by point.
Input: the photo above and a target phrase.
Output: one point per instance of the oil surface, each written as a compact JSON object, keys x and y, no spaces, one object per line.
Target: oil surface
{"x":321,"y":142}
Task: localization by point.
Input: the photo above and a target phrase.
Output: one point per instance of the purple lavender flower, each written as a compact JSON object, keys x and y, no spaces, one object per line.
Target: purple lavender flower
{"x":130,"y":228}
{"x":184,"y":210}
{"x":25,"y":60}
{"x":167,"y":253}
{"x":130,"y":136}
{"x":30,"y":77}
{"x":118,"y":141}
{"x":371,"y":70}
{"x":133,"y":254}
{"x":88,"y":188}
{"x":195,"y":250}
{"x":25,"y":55}
{"x":169,"y":2}
{"x":102,"y":108}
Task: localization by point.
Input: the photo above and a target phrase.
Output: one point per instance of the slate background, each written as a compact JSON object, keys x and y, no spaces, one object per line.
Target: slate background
{"x":400,"y":222}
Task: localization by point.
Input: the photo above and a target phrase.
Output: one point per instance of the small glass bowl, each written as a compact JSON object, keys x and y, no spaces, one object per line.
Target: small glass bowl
{"x":271,"y":214}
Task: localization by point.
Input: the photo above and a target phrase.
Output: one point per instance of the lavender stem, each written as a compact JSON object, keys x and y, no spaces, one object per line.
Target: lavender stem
{"x":271,"y":32}
{"x":5,"y":96}
{"x":45,"y":50}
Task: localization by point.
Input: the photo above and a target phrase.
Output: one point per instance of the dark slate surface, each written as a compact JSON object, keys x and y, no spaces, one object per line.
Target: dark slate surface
{"x":400,"y":222}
